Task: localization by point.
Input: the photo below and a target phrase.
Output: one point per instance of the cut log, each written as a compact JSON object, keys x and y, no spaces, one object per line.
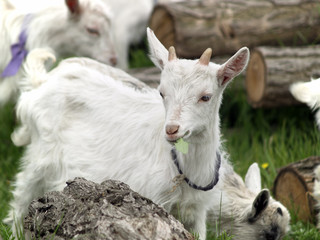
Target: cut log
{"x":293,"y":187}
{"x":271,"y":70}
{"x":110,"y":210}
{"x":226,"y":26}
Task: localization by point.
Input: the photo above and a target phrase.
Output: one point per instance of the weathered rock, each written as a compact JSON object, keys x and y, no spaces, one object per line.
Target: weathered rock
{"x":110,"y":210}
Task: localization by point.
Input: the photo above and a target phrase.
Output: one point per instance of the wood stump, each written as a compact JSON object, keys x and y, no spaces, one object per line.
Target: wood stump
{"x":110,"y":210}
{"x":228,"y":25}
{"x":271,"y":71}
{"x":293,"y":187}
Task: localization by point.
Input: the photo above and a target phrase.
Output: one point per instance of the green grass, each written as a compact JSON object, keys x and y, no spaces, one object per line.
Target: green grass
{"x":275,"y":136}
{"x":9,"y":156}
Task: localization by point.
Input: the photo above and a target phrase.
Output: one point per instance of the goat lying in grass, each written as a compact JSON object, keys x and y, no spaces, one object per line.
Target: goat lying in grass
{"x":83,"y":123}
{"x":79,"y":28}
{"x":245,"y":211}
{"x":309,"y":93}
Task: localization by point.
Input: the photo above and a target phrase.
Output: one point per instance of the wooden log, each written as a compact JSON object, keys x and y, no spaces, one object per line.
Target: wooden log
{"x":271,"y":70}
{"x":293,"y":187}
{"x":226,"y":26}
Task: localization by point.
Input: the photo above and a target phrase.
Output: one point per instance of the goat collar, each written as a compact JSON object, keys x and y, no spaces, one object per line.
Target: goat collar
{"x":187,"y":180}
{"x":18,"y":51}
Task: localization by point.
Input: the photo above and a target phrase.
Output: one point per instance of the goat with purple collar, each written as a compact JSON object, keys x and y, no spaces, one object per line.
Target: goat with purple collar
{"x":83,"y":123}
{"x":76,"y":28}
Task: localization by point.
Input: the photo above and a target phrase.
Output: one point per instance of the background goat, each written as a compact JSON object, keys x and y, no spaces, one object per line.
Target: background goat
{"x":130,"y":21}
{"x":316,"y":192}
{"x":245,"y":211}
{"x":76,"y":28}
{"x":83,"y":123}
{"x":308,"y":93}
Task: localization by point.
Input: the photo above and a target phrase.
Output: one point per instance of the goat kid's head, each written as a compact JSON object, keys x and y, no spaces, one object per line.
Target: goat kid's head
{"x":269,"y":217}
{"x":89,"y":28}
{"x":192,"y":89}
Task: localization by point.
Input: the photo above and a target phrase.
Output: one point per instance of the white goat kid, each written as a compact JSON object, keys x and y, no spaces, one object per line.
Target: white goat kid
{"x":76,"y":28}
{"x":83,"y":123}
{"x":244,"y":210}
{"x":308,"y":93}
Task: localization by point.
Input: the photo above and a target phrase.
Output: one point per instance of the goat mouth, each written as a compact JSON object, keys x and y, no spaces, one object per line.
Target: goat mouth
{"x":172,"y":141}
{"x":174,"y":138}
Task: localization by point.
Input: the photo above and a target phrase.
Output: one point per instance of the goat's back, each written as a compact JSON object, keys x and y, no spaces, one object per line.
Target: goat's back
{"x":96,"y":126}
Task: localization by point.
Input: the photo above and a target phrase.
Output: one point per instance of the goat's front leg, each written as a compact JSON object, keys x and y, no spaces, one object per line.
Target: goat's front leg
{"x":194,"y":219}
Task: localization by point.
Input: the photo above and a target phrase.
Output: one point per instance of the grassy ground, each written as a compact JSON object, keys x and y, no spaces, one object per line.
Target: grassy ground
{"x":274,"y":136}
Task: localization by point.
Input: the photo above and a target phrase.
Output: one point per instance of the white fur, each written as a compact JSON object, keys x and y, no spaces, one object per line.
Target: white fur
{"x":131,"y":19}
{"x":82,"y":122}
{"x":316,"y":192}
{"x":253,"y":179}
{"x":308,"y":93}
{"x":236,"y":208}
{"x":57,"y":28}
{"x":130,"y":22}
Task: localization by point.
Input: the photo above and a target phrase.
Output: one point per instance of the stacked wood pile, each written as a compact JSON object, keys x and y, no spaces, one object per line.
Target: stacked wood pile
{"x":228,"y":25}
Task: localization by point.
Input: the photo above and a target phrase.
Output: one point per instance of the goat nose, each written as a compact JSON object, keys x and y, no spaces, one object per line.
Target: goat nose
{"x":172,"y":129}
{"x":113,"y":60}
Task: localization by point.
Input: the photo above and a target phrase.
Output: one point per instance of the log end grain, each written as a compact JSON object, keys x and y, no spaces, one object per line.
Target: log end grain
{"x":291,"y":190}
{"x":255,"y":78}
{"x":293,"y":187}
{"x":162,"y":23}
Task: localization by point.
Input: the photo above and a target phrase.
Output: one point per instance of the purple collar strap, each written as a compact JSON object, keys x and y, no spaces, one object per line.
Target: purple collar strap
{"x":18,"y":51}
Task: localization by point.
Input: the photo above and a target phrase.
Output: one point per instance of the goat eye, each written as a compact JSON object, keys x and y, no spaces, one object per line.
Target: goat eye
{"x":205,"y":98}
{"x":93,"y":31}
{"x":161,"y":94}
{"x":279,"y":211}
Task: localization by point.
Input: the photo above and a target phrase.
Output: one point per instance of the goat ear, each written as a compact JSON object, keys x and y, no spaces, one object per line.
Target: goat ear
{"x":234,"y":66}
{"x":73,"y":6}
{"x":253,"y":178}
{"x":259,"y":204}
{"x":158,"y":53}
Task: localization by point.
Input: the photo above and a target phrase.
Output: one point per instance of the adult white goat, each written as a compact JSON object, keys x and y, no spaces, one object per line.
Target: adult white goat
{"x":244,"y":210}
{"x":130,"y":21}
{"x":76,"y":28}
{"x":83,"y":123}
{"x":308,"y":93}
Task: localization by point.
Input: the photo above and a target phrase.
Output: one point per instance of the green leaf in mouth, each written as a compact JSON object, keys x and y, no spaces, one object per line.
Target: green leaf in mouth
{"x":182,"y":146}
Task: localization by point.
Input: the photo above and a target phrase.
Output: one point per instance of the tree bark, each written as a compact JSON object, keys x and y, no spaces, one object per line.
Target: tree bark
{"x":110,"y":210}
{"x":293,"y":186}
{"x":271,"y":70}
{"x":226,"y":26}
